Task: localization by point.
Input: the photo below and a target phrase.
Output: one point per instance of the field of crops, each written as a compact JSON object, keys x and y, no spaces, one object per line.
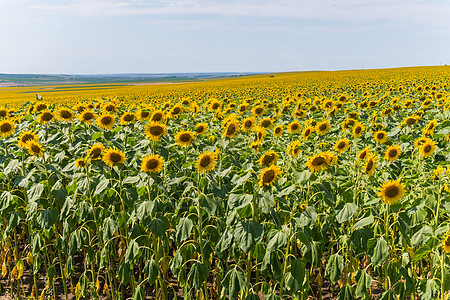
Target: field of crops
{"x":321,"y":185}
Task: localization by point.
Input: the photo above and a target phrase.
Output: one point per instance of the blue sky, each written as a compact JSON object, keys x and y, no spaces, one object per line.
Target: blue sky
{"x":135,"y":36}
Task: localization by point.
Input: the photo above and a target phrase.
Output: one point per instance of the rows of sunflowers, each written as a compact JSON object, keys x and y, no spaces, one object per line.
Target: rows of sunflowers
{"x":289,"y":186}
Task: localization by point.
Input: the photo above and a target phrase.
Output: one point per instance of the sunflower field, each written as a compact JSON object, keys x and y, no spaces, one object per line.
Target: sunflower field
{"x":315,"y":185}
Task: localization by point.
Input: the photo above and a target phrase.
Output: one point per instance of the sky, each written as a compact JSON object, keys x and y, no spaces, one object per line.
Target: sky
{"x":163,"y":36}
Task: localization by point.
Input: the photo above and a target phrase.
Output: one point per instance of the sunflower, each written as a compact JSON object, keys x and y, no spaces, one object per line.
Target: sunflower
{"x":86,"y":116}
{"x":176,"y":110}
{"x":106,"y":121}
{"x":258,"y":110}
{"x":392,"y":153}
{"x":201,"y":128}
{"x":380,"y":136}
{"x":446,"y":244}
{"x":391,"y":191}
{"x":215,"y":105}
{"x":260,"y":133}
{"x":318,"y":162}
{"x":41,"y":106}
{"x":255,"y":145}
{"x":248,"y":123}
{"x":110,"y":107}
{"x":243,"y":107}
{"x":341,"y":145}
{"x":34,"y":148}
{"x":127,"y":118}
{"x":25,"y":137}
{"x":269,"y":175}
{"x":330,"y":158}
{"x":81,"y":163}
{"x":64,"y":115}
{"x":307,"y":132}
{"x":184,"y":138}
{"x":294,"y":127}
{"x":113,"y":157}
{"x":45,"y":117}
{"x":95,"y":152}
{"x":410,"y":121}
{"x":268,"y":158}
{"x":265,"y":123}
{"x":6,"y":128}
{"x":157,"y":116}
{"x":294,"y":148}
{"x":231,"y":129}
{"x":3,"y":112}
{"x":323,"y":127}
{"x":152,"y":163}
{"x":358,"y":129}
{"x":427,"y":148}
{"x":155,"y":130}
{"x":206,"y":162}
{"x":365,"y":153}
{"x":144,"y":114}
{"x":371,"y":164}
{"x":278,"y":131}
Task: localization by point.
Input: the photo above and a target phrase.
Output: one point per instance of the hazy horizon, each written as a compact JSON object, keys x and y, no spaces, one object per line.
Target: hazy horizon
{"x":91,"y":37}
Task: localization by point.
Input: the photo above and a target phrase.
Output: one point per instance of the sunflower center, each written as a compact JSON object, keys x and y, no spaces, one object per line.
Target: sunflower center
{"x":145,"y":114}
{"x":294,"y":126}
{"x":392,"y":153}
{"x":115,"y":157}
{"x":156,"y":130}
{"x":248,"y":124}
{"x":3,"y":113}
{"x":447,"y":241}
{"x":66,"y":114}
{"x":266,"y":123}
{"x":6,"y":127}
{"x":268,"y":176}
{"x":369,"y":165}
{"x":363,"y":155}
{"x":410,"y":121}
{"x":106,"y":120}
{"x":392,"y":191}
{"x":215,"y":106}
{"x":358,"y":130}
{"x":199,"y":129}
{"x":342,"y":145}
{"x":277,"y":130}
{"x":157,"y":117}
{"x":47,"y":116}
{"x":36,"y":149}
{"x":152,"y":164}
{"x":41,"y":107}
{"x":231,"y":129}
{"x":427,"y":148}
{"x":323,"y":127}
{"x":128,"y":117}
{"x":268,"y":158}
{"x":205,"y":161}
{"x":176,"y":111}
{"x":185,"y":137}
{"x":258,"y":110}
{"x":27,"y":137}
{"x":318,"y":161}
{"x":380,"y":136}
{"x":88,"y":116}
{"x":109,"y":107}
{"x":95,"y":153}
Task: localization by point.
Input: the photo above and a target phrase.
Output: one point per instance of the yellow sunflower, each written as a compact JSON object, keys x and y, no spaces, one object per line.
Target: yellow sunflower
{"x":34,"y":148}
{"x":87,"y":116}
{"x":127,"y":118}
{"x":269,"y":175}
{"x":358,"y":129}
{"x":341,"y":145}
{"x":25,"y":137}
{"x":258,"y":110}
{"x":45,"y":117}
{"x":157,"y":116}
{"x":265,"y":123}
{"x":155,"y":130}
{"x":176,"y":110}
{"x":201,"y":128}
{"x":144,"y":114}
{"x":3,"y":112}
{"x":392,"y":153}
{"x":318,"y":162}
{"x":365,"y":153}
{"x":206,"y":162}
{"x":323,"y":127}
{"x":106,"y":121}
{"x":248,"y":123}
{"x":109,"y":107}
{"x":113,"y":157}
{"x":410,"y":121}
{"x":371,"y":164}
{"x":294,"y":148}
{"x":184,"y":138}
{"x":255,"y":145}
{"x":41,"y":106}
{"x":81,"y":163}
{"x":95,"y":152}
{"x":231,"y":129}
{"x":268,"y":158}
{"x":6,"y":128}
{"x":260,"y":133}
{"x":446,"y":243}
{"x":427,"y":148}
{"x":278,"y":131}
{"x":152,"y":163}
{"x":307,"y":132}
{"x":64,"y":114}
{"x":391,"y":191}
{"x":294,"y":127}
{"x":380,"y":136}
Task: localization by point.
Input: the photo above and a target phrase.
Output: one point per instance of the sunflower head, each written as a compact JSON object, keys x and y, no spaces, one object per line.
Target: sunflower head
{"x":278,"y":131}
{"x":358,"y":129}
{"x":25,"y":137}
{"x":157,"y":116}
{"x":87,"y":116}
{"x":231,"y":129}
{"x":323,"y":127}
{"x":45,"y":117}
{"x":128,"y":118}
{"x":81,"y":163}
{"x":95,"y":152}
{"x":144,"y":114}
{"x":34,"y":148}
{"x":155,"y":130}
{"x":201,"y":128}
{"x":113,"y":157}
{"x":446,"y":243}
{"x":206,"y":162}
{"x":294,"y":127}
{"x":427,"y":148}
{"x":319,"y":162}
{"x":248,"y":123}
{"x":184,"y":138}
{"x":380,"y":136}
{"x":341,"y":145}
{"x":106,"y":121}
{"x":371,"y":164}
{"x":294,"y":148}
{"x":392,"y":153}
{"x":364,"y":154}
{"x":152,"y":163}
{"x":391,"y":191}
{"x":269,"y":175}
{"x":258,"y":110}
{"x":6,"y":128}
{"x":265,"y":123}
{"x":268,"y":158}
{"x":64,"y":115}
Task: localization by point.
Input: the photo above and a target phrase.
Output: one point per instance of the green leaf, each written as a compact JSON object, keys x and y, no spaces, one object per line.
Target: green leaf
{"x":277,"y":241}
{"x":388,"y":295}
{"x":133,"y":252}
{"x":139,"y":293}
{"x":421,"y":253}
{"x":183,"y":229}
{"x":46,"y":218}
{"x":248,"y":234}
{"x":224,"y":241}
{"x":379,"y":253}
{"x":35,"y":192}
{"x":109,"y":228}
{"x":346,"y":213}
{"x":346,"y":293}
{"x":298,"y":270}
{"x":5,"y":200}
{"x":334,"y":267}
{"x":131,"y":179}
{"x":421,"y":236}
{"x":198,"y":274}
{"x":428,"y":289}
{"x":101,"y":186}
{"x":234,"y":281}
{"x":237,"y":201}
{"x":144,"y":210}
{"x":364,"y":281}
{"x":159,"y":226}
{"x":363,"y":222}
{"x":124,"y":272}
{"x":151,"y":269}
{"x":12,"y":166}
